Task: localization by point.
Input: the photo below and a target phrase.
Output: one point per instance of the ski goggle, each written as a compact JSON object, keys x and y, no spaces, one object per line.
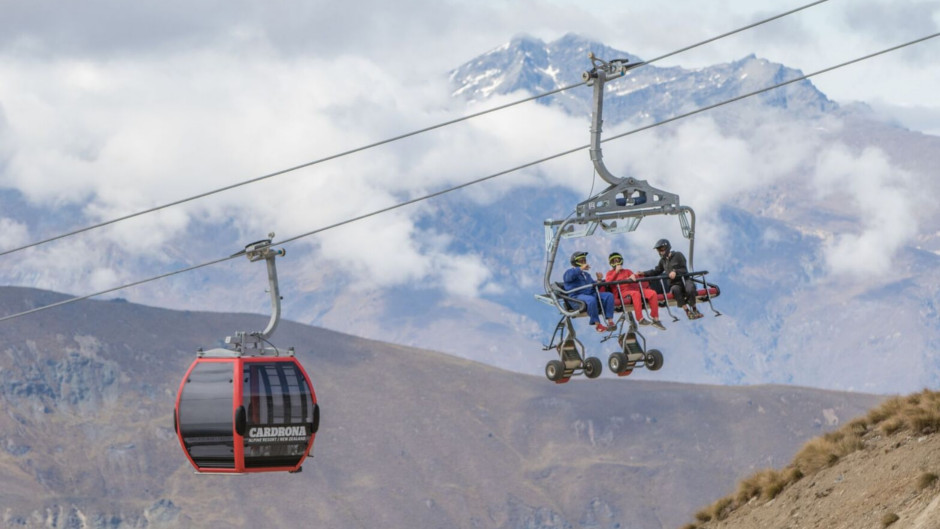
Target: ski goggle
{"x":616,"y":260}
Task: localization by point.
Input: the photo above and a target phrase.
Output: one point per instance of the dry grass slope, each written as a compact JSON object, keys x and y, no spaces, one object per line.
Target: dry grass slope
{"x":917,"y":414}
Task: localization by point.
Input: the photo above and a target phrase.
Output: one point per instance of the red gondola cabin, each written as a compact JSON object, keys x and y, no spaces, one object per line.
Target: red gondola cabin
{"x":237,"y":414}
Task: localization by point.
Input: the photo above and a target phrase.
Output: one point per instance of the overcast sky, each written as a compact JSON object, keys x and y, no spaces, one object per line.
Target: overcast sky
{"x":901,"y":84}
{"x":420,"y":38}
{"x":116,"y":106}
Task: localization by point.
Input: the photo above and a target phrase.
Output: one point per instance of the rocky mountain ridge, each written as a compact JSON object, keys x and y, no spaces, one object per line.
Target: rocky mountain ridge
{"x":649,"y":93}
{"x":408,"y":437}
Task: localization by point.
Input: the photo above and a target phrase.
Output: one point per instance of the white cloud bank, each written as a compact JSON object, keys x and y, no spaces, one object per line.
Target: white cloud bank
{"x":120,"y":136}
{"x":12,"y":233}
{"x":118,"y":121}
{"x":881,"y":199}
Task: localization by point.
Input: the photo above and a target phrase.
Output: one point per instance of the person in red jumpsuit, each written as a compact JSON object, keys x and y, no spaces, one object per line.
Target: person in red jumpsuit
{"x":632,"y":290}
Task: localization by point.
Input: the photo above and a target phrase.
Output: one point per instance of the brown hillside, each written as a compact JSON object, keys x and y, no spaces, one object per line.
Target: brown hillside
{"x":877,"y":471}
{"x":409,"y":438}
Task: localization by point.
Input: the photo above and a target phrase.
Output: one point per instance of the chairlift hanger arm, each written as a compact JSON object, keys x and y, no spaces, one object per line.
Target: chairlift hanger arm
{"x":626,"y":197}
{"x":257,"y":251}
{"x":596,"y":77}
{"x":641,"y":198}
{"x":242,"y":341}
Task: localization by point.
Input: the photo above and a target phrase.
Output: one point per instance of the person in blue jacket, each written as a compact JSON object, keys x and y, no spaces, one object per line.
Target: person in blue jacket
{"x":578,"y":276}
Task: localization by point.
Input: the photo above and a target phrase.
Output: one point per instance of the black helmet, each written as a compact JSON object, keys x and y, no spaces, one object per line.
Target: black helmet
{"x":663,"y":243}
{"x":576,"y":256}
{"x":613,"y":256}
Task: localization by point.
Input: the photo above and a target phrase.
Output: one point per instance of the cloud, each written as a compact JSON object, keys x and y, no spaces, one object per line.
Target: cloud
{"x":509,"y":139}
{"x":149,"y":235}
{"x":878,"y":197}
{"x":75,"y":267}
{"x":709,"y":168}
{"x":378,"y":252}
{"x":404,"y":35}
{"x":124,"y":136}
{"x":464,"y":276}
{"x":914,"y":117}
{"x":882,"y":20}
{"x":12,"y":233}
{"x":118,"y":137}
{"x":391,"y":252}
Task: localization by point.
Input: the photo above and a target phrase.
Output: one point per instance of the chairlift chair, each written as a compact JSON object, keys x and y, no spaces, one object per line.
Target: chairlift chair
{"x":617,"y":209}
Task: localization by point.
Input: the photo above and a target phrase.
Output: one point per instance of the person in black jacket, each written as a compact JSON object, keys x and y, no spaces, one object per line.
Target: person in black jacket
{"x":673,"y":265}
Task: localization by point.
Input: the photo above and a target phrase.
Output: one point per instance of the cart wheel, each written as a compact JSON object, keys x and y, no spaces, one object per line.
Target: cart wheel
{"x":654,"y":360}
{"x":555,"y":370}
{"x":617,"y":362}
{"x":593,"y":367}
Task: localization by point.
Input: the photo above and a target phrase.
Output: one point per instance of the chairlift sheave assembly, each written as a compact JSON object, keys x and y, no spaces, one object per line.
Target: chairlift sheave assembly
{"x":617,"y":209}
{"x":248,"y":407}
